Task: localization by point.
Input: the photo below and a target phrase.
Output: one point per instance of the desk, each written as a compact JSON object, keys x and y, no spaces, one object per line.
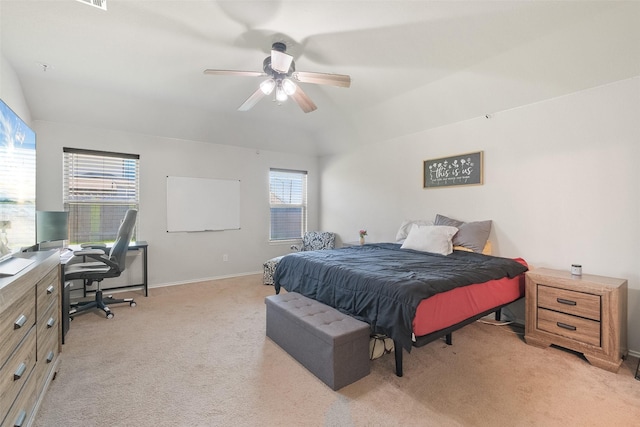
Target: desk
{"x":66,"y":256}
{"x":133,"y":246}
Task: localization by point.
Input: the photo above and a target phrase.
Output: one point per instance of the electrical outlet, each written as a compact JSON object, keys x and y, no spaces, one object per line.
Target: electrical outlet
{"x":225,"y":257}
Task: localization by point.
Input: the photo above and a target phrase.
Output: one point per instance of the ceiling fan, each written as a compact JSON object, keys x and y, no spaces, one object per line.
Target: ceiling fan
{"x":282,"y":75}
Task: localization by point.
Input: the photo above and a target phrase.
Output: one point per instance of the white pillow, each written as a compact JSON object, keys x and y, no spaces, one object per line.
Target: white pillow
{"x":431,"y":238}
{"x":405,"y":227}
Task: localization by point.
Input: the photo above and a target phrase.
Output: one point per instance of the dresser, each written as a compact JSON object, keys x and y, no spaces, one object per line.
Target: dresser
{"x":30,"y":332}
{"x":586,"y":314}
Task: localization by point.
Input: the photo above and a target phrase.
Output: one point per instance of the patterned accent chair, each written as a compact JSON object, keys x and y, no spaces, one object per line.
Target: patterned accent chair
{"x":311,"y":241}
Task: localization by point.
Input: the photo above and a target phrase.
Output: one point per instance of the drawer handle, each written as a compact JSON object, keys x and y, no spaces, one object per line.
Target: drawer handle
{"x":20,"y":418}
{"x":565,"y":301}
{"x":20,"y":371}
{"x":50,"y":356}
{"x":50,"y":289}
{"x":565,"y":326}
{"x":51,"y":322}
{"x":20,"y":322}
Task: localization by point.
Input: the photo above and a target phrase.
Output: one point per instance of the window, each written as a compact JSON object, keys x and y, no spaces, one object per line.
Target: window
{"x":288,"y":204}
{"x":99,"y":187}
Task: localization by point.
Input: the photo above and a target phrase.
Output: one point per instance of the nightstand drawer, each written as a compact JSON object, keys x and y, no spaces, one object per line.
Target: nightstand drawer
{"x":579,"y":329}
{"x":571,"y":302}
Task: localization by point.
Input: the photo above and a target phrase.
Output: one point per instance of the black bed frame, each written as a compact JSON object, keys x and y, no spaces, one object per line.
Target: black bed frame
{"x":446,"y":333}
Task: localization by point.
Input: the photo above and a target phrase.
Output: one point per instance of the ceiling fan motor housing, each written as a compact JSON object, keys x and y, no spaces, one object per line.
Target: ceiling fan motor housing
{"x":266,"y":66}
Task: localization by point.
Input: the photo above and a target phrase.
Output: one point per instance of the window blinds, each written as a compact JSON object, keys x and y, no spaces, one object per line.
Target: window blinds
{"x":288,"y":204}
{"x":98,"y":189}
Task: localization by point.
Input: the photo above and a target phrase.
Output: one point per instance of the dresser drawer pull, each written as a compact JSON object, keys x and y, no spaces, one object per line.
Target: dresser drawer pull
{"x":50,"y":289}
{"x":565,"y":326}
{"x":20,"y":322}
{"x":565,"y":301}
{"x":50,"y":356}
{"x":51,"y":322}
{"x":20,"y":418}
{"x":20,"y":371}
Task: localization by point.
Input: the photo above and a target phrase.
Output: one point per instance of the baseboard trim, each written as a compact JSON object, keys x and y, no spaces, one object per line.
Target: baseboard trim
{"x":204,"y":279}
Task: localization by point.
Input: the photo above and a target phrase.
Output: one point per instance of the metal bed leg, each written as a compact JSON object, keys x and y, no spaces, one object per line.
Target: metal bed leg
{"x":638,"y":373}
{"x":498,"y":314}
{"x":398,"y":353}
{"x":449,"y":338}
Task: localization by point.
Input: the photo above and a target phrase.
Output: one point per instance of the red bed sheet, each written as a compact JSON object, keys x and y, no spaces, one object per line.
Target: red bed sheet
{"x":452,"y":307}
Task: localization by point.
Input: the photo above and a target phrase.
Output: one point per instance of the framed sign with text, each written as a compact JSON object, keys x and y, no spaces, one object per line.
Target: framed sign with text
{"x":463,"y":169}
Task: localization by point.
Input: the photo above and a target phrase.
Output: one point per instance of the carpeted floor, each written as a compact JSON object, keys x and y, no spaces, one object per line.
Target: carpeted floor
{"x":197,"y":355}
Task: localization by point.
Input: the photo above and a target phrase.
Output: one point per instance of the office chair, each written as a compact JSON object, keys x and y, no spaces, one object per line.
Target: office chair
{"x":104,"y":266}
{"x":311,"y":241}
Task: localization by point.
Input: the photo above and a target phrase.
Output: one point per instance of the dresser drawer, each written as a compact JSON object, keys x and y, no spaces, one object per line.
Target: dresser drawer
{"x":47,"y":292}
{"x":15,"y":372}
{"x":15,"y":323}
{"x":573,"y":327}
{"x":47,"y":342}
{"x":21,"y":412}
{"x":571,"y":302}
{"x":47,"y":329}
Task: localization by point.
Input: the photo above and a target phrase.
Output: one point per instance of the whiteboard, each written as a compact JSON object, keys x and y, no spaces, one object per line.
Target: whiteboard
{"x":202,"y":204}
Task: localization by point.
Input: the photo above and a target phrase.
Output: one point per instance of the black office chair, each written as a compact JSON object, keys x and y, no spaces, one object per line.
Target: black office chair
{"x":102,"y":267}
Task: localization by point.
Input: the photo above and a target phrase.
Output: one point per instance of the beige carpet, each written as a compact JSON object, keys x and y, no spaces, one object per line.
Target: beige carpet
{"x":196,"y":355}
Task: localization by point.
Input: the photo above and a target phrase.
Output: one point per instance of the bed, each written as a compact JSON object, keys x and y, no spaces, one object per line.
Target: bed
{"x":411,"y":295}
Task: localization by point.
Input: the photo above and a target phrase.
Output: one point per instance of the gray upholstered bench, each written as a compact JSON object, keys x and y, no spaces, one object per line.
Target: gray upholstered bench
{"x":330,"y":344}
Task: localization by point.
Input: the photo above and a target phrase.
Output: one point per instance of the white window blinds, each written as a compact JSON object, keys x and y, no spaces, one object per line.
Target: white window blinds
{"x":98,"y":189}
{"x":288,"y":204}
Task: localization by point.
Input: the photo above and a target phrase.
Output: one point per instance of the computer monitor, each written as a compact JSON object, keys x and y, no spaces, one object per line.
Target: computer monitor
{"x":52,"y":229}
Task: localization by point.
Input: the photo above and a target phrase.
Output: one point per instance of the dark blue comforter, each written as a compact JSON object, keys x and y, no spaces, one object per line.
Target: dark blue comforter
{"x":383,"y":284}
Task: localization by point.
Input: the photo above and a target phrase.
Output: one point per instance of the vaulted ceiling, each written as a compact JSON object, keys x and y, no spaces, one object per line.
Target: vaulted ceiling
{"x":138,"y":66}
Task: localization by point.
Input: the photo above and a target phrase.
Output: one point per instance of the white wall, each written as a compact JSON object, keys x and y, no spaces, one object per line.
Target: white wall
{"x":11,"y":91}
{"x":182,"y":257}
{"x":561,"y":184}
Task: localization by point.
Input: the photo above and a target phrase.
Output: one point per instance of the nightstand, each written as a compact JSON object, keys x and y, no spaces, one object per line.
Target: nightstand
{"x":587,"y":314}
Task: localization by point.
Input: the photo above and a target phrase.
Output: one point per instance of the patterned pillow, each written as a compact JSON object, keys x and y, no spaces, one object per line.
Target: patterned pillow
{"x":318,"y":240}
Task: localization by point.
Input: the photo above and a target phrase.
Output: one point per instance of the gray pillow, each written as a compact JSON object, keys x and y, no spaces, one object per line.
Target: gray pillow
{"x":471,"y":235}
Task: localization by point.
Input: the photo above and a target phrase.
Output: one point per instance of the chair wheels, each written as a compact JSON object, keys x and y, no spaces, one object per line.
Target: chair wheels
{"x":132,"y":304}
{"x":110,"y":315}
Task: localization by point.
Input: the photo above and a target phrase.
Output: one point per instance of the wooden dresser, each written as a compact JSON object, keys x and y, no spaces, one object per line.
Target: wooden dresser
{"x":30,"y":332}
{"x":587,"y":314}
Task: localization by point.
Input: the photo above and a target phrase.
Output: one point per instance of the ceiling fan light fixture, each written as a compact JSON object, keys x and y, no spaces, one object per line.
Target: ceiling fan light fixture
{"x":281,"y":95}
{"x":289,"y":87}
{"x":280,"y":61}
{"x":267,"y":86}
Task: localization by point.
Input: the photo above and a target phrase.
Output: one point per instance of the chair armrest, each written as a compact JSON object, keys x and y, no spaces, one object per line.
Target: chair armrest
{"x":93,"y":245}
{"x":88,"y":252}
{"x":96,"y":254}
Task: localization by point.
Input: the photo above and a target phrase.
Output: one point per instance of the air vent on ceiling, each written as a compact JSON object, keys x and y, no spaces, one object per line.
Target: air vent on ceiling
{"x":101,"y":4}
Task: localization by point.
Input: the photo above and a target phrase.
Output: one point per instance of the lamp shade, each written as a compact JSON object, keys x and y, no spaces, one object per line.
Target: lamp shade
{"x":267,"y":86}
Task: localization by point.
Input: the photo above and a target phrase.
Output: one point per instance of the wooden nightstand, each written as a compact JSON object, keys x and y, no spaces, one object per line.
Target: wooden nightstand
{"x":587,"y":314}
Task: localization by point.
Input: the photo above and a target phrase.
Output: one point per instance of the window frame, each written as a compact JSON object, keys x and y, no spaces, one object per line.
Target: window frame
{"x":302,"y":204}
{"x":98,"y":188}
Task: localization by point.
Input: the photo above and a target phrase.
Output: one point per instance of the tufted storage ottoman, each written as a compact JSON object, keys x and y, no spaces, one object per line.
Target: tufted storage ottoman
{"x":330,"y":344}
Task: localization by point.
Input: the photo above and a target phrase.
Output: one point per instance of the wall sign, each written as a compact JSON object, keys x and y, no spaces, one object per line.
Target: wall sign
{"x":463,"y":169}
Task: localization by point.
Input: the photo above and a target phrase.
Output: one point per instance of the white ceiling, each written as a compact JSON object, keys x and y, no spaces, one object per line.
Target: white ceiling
{"x":138,"y":67}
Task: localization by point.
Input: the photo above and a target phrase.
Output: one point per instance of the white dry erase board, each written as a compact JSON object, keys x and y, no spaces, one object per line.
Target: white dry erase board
{"x":201,"y":204}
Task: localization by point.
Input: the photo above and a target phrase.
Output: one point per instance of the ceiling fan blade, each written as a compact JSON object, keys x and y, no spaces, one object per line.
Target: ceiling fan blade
{"x":303,"y":101}
{"x":252,"y":100}
{"x":234,"y":73}
{"x":341,"y":80}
